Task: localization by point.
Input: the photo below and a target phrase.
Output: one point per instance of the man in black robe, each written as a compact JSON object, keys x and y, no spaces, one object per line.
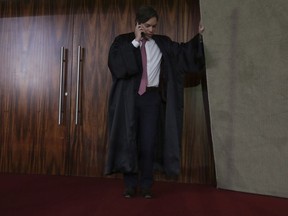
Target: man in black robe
{"x":145,"y":128}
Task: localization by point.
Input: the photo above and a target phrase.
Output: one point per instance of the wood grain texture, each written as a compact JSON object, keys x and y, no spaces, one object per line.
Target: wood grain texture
{"x":92,"y":30}
{"x":31,"y":37}
{"x":32,"y":33}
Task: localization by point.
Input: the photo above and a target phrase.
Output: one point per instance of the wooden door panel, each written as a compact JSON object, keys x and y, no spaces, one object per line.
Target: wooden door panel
{"x":92,"y":31}
{"x":31,"y":37}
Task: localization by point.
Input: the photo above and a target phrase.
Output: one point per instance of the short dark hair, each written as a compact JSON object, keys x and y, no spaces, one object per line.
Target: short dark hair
{"x":145,"y":13}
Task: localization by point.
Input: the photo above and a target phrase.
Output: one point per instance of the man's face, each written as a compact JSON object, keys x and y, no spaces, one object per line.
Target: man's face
{"x":149,"y":27}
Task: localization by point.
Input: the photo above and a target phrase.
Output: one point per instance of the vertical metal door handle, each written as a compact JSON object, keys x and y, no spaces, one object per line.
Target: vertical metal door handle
{"x":61,"y":82}
{"x":79,"y":60}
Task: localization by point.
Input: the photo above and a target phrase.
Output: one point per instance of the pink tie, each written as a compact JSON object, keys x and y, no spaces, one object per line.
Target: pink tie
{"x":144,"y":79}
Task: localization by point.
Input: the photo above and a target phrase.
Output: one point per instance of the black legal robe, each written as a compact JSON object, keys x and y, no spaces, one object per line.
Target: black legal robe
{"x":125,"y":65}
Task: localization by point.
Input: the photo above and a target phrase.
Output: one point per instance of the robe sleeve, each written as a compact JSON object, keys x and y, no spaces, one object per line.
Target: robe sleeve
{"x":190,"y":55}
{"x":122,"y":59}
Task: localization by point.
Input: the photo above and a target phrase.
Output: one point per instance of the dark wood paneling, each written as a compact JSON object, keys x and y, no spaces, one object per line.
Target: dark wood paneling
{"x":32,"y":33}
{"x":93,"y":32}
{"x":31,"y":37}
{"x":197,"y":153}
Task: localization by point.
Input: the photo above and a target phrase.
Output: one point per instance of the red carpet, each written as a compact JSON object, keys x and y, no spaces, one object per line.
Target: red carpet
{"x":35,"y":195}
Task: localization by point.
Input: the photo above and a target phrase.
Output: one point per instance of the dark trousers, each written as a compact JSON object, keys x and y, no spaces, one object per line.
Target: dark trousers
{"x":147,"y":112}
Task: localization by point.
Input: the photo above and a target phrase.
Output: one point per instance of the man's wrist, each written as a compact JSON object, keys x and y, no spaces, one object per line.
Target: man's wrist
{"x":135,"y":43}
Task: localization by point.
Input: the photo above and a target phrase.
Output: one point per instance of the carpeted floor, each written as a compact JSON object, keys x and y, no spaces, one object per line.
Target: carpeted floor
{"x":36,"y":195}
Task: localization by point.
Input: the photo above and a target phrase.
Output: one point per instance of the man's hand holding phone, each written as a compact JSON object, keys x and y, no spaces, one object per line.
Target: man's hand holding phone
{"x":139,"y":32}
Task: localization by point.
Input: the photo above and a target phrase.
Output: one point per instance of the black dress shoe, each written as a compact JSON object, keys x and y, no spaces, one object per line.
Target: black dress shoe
{"x":129,"y":192}
{"x":146,"y":193}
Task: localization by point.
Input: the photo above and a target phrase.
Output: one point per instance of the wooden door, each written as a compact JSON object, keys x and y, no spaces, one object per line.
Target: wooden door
{"x":91,"y":82}
{"x":31,"y":36}
{"x":32,"y":33}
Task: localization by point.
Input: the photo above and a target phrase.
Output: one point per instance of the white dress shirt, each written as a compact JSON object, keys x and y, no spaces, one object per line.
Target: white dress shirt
{"x":154,"y":56}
